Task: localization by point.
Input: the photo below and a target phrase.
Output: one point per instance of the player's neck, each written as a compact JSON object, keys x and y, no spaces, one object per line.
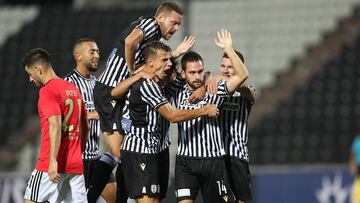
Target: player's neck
{"x":83,"y":71}
{"x":49,"y":76}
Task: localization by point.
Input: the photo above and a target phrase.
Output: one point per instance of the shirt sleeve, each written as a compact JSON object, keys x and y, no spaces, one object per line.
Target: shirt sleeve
{"x":49,"y":103}
{"x":148,"y":27}
{"x":222,"y":89}
{"x":151,"y":94}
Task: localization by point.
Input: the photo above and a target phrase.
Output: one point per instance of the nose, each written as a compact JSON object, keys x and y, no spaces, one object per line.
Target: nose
{"x":176,"y":27}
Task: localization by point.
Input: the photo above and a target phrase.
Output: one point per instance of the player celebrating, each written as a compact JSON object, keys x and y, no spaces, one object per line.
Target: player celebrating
{"x":125,"y":57}
{"x":199,"y":162}
{"x":141,"y":145}
{"x":58,"y":174}
{"x":234,"y":114}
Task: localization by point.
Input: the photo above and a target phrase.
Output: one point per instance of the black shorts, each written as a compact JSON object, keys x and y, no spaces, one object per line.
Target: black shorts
{"x":164,"y":164}
{"x":208,"y":174}
{"x":108,"y":108}
{"x":89,"y":166}
{"x":240,"y":178}
{"x":141,"y":173}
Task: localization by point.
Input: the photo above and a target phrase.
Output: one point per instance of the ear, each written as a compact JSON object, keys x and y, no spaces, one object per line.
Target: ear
{"x":78,"y":56}
{"x":150,"y":62}
{"x":161,"y":18}
{"x":38,"y":68}
{"x":183,"y":74}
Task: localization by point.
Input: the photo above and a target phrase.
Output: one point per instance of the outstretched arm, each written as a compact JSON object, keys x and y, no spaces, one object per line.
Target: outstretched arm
{"x":176,"y":115}
{"x":123,"y":87}
{"x":183,"y":47}
{"x":241,"y":73}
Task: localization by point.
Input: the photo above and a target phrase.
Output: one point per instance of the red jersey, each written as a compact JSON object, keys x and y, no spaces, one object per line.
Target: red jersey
{"x":59,"y":97}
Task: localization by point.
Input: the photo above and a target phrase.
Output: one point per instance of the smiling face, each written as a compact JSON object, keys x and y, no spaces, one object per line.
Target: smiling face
{"x":194,"y":74}
{"x":89,"y":56}
{"x":226,"y":68}
{"x":169,"y":23}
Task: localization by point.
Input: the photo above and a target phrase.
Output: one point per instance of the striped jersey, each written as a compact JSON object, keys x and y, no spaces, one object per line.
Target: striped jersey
{"x":86,"y":86}
{"x":144,"y":98}
{"x":116,"y":69}
{"x":200,"y":137}
{"x":234,"y":114}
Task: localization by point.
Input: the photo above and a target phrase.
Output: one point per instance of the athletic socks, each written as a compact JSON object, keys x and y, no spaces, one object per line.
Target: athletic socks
{"x":121,"y":195}
{"x":102,"y":171}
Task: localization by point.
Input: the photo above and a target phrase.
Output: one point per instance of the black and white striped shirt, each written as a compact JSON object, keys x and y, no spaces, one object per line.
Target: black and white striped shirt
{"x":116,"y":67}
{"x":144,"y":98}
{"x":86,"y":86}
{"x":200,"y":137}
{"x":234,"y":115}
{"x":162,"y":128}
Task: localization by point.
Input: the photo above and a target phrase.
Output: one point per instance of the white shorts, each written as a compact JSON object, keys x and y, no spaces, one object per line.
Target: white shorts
{"x":71,"y":188}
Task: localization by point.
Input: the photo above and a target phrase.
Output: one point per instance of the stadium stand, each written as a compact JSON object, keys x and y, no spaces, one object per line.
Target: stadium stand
{"x":55,"y":29}
{"x":314,"y":106}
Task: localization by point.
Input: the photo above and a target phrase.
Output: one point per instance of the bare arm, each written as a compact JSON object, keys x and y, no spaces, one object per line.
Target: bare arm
{"x":84,"y":128}
{"x":183,"y":47}
{"x":176,"y":115}
{"x":241,"y":72}
{"x":55,"y":140}
{"x":92,"y":115}
{"x":120,"y":90}
{"x":131,"y":43}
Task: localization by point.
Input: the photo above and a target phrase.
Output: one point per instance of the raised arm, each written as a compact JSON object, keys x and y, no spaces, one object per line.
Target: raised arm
{"x":176,"y":115}
{"x":241,"y":73}
{"x":55,"y":140}
{"x":131,"y":43}
{"x":183,"y":47}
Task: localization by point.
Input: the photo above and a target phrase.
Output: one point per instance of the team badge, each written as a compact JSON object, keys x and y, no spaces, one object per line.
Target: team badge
{"x":226,"y":198}
{"x":113,"y":103}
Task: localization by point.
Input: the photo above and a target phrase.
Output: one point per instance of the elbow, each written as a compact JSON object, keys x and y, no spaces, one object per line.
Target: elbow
{"x":173,"y":118}
{"x":128,"y":43}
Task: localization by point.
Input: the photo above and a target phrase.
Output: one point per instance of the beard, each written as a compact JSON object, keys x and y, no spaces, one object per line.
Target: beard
{"x":90,"y":67}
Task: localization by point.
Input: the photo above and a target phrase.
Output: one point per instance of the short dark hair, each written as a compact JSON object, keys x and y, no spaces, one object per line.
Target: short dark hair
{"x":237,"y":53}
{"x":168,"y":6}
{"x":82,"y":40}
{"x":152,"y":47}
{"x":35,"y":55}
{"x":191,"y":56}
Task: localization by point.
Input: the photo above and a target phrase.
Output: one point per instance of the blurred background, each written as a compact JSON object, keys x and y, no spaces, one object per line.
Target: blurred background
{"x":303,"y":59}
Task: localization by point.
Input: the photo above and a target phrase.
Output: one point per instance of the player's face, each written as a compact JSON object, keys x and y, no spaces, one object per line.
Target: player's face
{"x":162,"y":64}
{"x":169,"y":24}
{"x":194,"y":74}
{"x":90,"y":56}
{"x":226,"y":68}
{"x":34,"y":75}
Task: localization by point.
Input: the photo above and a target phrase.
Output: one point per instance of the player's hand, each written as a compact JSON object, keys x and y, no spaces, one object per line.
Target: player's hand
{"x":184,"y":46}
{"x":224,"y":39}
{"x":211,"y":85}
{"x":197,"y":95}
{"x":212,"y":110}
{"x":52,"y":172}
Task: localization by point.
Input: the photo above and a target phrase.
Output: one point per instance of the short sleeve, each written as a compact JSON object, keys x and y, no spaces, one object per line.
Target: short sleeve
{"x":151,"y":94}
{"x":49,"y":103}
{"x":148,"y":27}
{"x":222,"y":89}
